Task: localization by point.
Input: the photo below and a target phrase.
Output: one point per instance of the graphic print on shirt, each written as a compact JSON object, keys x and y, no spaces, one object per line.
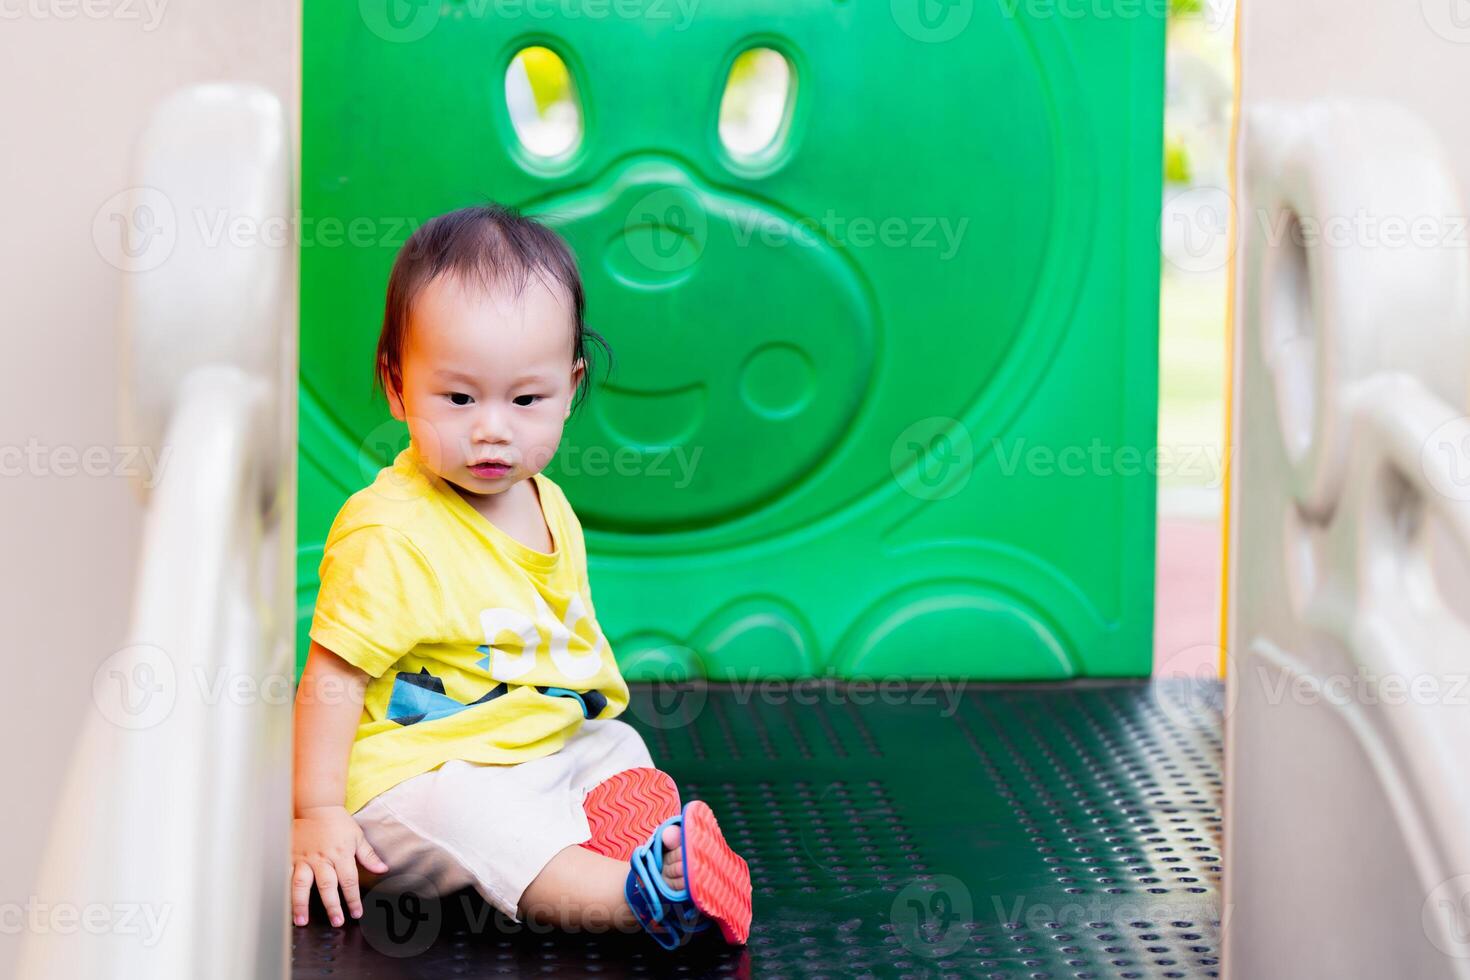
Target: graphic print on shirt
{"x":507,"y":660}
{"x":420,"y":697}
{"x":513,"y":640}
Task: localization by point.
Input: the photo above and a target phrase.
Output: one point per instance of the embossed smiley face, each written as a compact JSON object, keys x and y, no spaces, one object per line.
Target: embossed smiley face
{"x":742,"y":345}
{"x":739,"y":362}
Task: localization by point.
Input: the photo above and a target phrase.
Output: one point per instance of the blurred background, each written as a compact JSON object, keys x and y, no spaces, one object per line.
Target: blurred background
{"x":1199,"y":102}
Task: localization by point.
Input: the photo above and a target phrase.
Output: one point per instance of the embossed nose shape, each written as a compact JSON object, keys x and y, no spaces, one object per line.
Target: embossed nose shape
{"x":705,"y":372}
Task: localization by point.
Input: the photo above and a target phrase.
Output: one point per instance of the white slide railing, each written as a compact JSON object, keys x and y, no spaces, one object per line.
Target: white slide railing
{"x":167,"y":857}
{"x":1347,"y":848}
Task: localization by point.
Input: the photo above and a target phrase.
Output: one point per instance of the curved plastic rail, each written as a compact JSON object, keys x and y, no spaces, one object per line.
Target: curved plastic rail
{"x":170,"y":832}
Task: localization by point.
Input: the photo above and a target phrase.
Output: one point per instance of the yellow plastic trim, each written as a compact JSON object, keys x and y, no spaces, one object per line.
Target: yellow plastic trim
{"x":1232,"y":231}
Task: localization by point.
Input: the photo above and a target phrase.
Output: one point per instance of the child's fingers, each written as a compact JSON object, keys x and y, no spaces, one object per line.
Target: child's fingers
{"x":326,"y":886}
{"x":348,"y":883}
{"x":300,"y":892}
{"x":369,"y":857}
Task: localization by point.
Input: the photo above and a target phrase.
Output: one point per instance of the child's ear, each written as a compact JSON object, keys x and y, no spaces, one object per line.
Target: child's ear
{"x":578,"y":370}
{"x":395,"y":402}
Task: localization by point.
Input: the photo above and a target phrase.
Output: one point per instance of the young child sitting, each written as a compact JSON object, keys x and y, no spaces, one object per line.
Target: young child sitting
{"x":455,"y":718}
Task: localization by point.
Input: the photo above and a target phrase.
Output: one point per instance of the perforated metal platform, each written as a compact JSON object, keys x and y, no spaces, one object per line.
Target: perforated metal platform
{"x":1026,"y":831}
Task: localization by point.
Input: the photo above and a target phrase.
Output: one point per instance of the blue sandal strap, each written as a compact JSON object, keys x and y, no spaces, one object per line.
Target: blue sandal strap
{"x":648,"y":892}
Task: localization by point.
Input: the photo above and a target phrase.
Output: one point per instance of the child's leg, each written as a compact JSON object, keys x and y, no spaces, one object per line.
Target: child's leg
{"x":581,"y":890}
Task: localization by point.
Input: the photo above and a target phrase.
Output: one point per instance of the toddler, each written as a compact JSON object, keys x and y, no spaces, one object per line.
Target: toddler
{"x":455,"y":720}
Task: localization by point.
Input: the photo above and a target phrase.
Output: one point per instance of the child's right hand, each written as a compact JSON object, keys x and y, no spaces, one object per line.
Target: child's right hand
{"x":326,"y":844}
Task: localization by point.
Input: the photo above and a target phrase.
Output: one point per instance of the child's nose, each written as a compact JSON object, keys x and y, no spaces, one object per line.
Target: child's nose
{"x":492,"y":424}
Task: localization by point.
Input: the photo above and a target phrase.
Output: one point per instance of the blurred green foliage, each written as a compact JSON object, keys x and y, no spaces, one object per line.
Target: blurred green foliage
{"x":550,"y":80}
{"x":1177,"y":168}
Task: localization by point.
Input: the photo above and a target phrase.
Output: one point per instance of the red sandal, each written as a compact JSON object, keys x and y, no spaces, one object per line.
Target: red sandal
{"x":717,"y":883}
{"x":624,"y":809}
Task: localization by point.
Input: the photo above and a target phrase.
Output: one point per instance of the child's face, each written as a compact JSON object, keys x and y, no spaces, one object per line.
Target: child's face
{"x":486,"y":377}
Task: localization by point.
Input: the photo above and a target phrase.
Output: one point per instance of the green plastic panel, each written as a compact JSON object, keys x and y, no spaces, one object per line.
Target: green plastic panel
{"x":881,"y":401}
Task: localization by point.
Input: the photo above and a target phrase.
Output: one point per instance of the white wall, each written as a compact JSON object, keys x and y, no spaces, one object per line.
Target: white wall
{"x":1407,"y":51}
{"x":77,"y":81}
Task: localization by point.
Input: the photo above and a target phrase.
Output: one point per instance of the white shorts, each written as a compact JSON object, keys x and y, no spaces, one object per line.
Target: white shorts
{"x":494,"y":827}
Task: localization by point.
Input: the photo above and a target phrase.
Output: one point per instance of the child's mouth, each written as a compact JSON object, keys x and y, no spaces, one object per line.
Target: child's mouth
{"x":489,"y":471}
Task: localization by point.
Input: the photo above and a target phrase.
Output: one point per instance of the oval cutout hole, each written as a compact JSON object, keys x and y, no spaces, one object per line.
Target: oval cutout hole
{"x":543,"y":103}
{"x":757,"y":102}
{"x":1290,"y":340}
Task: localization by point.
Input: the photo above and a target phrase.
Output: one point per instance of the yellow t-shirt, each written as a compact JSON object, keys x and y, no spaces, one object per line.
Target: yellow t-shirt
{"x":480,"y":648}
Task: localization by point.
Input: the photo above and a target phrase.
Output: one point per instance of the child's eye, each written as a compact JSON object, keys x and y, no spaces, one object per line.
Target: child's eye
{"x":527,"y":399}
{"x":458,"y":398}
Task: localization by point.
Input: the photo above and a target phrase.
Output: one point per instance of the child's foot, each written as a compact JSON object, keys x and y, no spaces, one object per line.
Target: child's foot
{"x":673,"y":858}
{"x":718,"y":889}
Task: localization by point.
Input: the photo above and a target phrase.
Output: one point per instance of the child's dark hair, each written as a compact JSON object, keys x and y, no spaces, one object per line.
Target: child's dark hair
{"x":491,"y":245}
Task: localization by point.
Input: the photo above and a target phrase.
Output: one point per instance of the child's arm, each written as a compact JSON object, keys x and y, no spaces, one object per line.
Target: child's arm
{"x":326,"y":843}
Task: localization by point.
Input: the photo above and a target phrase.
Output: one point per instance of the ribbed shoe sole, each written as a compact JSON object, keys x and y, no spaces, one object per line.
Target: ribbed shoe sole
{"x":624,"y":809}
{"x":718,"y":879}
